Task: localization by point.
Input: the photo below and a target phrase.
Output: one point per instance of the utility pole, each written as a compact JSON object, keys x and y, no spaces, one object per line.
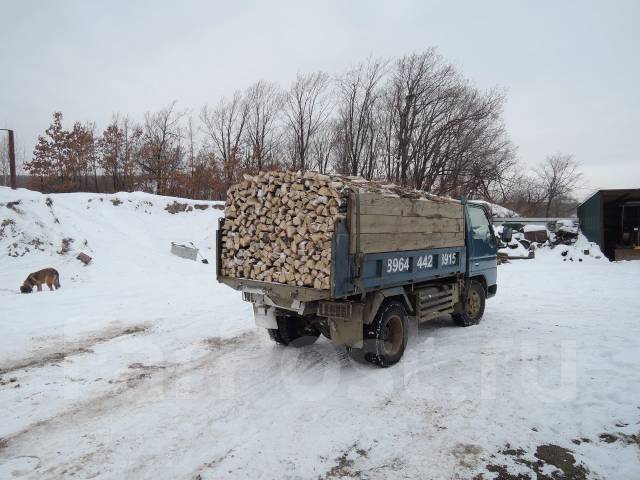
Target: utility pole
{"x":12,"y":159}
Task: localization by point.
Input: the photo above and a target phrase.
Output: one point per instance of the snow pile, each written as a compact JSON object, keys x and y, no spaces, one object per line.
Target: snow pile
{"x":32,"y":223}
{"x":497,"y":210}
{"x":580,"y":251}
{"x":567,"y":226}
{"x":515,"y":249}
{"x":128,"y":236}
{"x":518,"y":247}
{"x":534,"y":228}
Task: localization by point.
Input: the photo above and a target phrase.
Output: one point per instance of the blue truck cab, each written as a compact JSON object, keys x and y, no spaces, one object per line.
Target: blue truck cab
{"x":373,"y":296}
{"x":482,"y":248}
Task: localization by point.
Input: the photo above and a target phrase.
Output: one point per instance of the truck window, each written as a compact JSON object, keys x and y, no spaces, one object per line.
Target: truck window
{"x":479,"y":223}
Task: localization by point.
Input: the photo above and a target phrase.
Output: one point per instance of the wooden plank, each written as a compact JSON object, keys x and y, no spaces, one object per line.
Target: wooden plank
{"x":378,"y":204}
{"x":394,"y":224}
{"x":384,"y":242}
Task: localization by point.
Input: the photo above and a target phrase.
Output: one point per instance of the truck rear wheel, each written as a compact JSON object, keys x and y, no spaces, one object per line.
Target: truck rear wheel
{"x":470,"y":310}
{"x":293,"y":331}
{"x":386,"y":337}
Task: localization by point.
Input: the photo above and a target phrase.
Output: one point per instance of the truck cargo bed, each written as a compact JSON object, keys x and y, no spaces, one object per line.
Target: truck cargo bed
{"x":379,"y":236}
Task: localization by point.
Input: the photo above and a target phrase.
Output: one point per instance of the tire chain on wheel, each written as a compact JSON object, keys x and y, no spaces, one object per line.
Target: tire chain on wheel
{"x":371,"y":351}
{"x":461,"y":318}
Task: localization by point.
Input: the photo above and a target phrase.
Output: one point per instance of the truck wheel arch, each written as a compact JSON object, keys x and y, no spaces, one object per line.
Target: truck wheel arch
{"x":375,"y":301}
{"x":482,"y":281}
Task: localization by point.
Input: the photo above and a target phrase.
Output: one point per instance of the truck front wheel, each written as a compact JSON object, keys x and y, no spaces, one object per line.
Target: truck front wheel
{"x":470,"y":310}
{"x":293,"y":331}
{"x":386,"y":337}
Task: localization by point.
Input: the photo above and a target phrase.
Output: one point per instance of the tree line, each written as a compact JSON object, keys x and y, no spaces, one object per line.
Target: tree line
{"x":415,"y":121}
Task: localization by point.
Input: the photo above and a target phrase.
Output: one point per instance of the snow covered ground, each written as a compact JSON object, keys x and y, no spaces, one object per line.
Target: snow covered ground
{"x":142,"y":366}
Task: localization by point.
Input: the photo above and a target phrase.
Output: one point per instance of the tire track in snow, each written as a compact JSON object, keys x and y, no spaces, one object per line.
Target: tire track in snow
{"x":79,"y":347}
{"x":98,"y":405}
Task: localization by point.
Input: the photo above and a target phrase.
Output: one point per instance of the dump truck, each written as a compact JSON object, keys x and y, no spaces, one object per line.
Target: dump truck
{"x":389,"y":255}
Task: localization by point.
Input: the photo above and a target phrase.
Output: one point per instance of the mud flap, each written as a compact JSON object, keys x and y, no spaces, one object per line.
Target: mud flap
{"x":265,"y":316}
{"x":348,"y":331}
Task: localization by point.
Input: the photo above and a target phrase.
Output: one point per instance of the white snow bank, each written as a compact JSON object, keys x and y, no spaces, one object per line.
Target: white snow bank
{"x":582,"y":250}
{"x":133,"y":279}
{"x":515,"y":249}
{"x":497,"y":210}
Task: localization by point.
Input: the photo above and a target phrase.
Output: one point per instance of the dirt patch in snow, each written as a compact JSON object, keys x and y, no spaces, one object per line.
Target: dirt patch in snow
{"x":344,"y":466}
{"x":65,"y":246}
{"x":7,"y":224}
{"x":467,"y":454}
{"x":14,"y":206}
{"x":633,"y":439}
{"x":557,"y":460}
{"x":83,"y":346}
{"x":562,"y":459}
{"x":220,"y":343}
{"x":354,"y":462}
{"x":177,"y":207}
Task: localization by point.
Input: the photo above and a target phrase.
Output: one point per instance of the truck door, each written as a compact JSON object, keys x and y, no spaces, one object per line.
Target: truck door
{"x":482,"y":244}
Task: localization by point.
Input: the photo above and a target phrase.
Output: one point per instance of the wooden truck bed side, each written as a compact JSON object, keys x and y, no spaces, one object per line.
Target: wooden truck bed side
{"x":383,"y":223}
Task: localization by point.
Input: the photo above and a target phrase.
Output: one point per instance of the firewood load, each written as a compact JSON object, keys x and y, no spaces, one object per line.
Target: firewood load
{"x":279,"y":226}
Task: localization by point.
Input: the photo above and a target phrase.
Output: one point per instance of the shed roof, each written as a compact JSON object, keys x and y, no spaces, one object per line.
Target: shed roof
{"x":616,"y":195}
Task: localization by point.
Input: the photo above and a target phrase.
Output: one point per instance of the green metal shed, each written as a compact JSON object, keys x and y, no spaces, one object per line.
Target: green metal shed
{"x":611,"y":218}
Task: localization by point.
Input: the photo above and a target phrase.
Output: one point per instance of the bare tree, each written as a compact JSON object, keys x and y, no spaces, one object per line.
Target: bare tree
{"x":265,"y":102}
{"x":161,"y":152}
{"x":558,"y":177}
{"x":417,"y":85}
{"x":307,"y":107}
{"x":325,"y":147}
{"x":522,"y":193}
{"x":132,"y":135}
{"x":415,"y":121}
{"x":224,"y":128}
{"x":82,"y":155}
{"x":358,"y":94}
{"x":111,"y":149}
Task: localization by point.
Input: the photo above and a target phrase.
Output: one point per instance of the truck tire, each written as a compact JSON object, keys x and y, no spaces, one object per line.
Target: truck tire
{"x":386,"y":337}
{"x":470,"y":310}
{"x":293,"y":331}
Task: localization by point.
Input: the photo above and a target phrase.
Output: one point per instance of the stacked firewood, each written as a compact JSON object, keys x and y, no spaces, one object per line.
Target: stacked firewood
{"x":278,"y":228}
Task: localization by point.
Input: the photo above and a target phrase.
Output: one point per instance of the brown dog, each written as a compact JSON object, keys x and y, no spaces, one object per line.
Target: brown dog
{"x":49,"y":276}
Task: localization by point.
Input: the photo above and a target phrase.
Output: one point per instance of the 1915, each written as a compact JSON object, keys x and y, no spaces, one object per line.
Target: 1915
{"x":449,"y":258}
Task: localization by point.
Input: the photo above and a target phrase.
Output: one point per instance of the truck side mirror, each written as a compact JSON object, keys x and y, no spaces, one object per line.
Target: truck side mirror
{"x":506,"y":234}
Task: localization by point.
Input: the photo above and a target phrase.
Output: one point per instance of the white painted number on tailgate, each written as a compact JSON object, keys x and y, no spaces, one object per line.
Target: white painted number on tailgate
{"x":450,"y":258}
{"x":425,"y":261}
{"x":396,"y":264}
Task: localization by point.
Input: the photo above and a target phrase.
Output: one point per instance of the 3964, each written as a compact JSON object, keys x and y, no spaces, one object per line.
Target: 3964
{"x":398,"y":264}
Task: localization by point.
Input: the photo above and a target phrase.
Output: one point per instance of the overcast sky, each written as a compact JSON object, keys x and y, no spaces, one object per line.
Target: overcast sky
{"x":571,"y":70}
